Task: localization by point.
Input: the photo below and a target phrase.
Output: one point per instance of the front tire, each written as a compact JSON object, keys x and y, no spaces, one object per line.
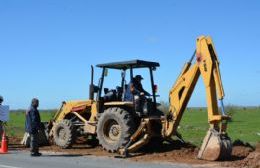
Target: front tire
{"x":64,"y":134}
{"x":114,"y":129}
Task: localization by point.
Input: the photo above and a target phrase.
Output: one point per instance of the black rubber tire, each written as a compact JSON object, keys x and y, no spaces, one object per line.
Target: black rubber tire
{"x":68,"y":134}
{"x":122,"y":120}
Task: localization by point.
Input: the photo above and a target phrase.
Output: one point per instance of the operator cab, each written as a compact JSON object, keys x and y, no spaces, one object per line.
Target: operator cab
{"x":115,"y":94}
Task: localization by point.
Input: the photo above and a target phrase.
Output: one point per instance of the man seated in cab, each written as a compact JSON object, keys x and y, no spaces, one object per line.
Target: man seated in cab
{"x":136,"y":92}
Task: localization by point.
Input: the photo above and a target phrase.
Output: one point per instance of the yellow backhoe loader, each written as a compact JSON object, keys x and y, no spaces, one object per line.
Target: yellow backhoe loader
{"x":120,"y":128}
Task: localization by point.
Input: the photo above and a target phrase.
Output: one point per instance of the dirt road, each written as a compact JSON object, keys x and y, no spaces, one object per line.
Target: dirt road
{"x":176,"y":154}
{"x":21,"y":159}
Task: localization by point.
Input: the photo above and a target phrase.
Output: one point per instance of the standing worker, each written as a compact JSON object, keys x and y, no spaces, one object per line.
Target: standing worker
{"x":32,"y":126}
{"x":1,"y":122}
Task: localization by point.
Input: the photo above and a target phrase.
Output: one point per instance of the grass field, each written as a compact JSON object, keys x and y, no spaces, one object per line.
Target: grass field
{"x":16,"y":124}
{"x":245,"y":124}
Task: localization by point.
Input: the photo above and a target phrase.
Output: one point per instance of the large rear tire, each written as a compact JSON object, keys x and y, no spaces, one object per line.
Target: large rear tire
{"x":114,"y":129}
{"x":64,"y":134}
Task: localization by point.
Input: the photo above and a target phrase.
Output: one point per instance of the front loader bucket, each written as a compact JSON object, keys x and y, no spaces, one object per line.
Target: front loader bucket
{"x":215,"y":146}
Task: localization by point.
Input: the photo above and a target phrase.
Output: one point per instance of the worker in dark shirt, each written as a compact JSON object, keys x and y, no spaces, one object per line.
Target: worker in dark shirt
{"x":136,"y":92}
{"x":32,"y":126}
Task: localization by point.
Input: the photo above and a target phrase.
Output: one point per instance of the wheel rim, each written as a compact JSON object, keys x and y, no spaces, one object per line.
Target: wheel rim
{"x":61,"y":134}
{"x":112,"y":131}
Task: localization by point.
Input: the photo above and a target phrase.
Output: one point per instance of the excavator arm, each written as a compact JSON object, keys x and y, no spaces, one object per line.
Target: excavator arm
{"x":216,"y":144}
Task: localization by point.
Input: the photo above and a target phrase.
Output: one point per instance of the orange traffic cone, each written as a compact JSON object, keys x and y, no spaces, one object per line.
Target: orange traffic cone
{"x":4,"y":144}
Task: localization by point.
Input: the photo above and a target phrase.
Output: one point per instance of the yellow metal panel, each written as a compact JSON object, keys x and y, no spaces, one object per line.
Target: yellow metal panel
{"x":67,"y":107}
{"x":204,"y":60}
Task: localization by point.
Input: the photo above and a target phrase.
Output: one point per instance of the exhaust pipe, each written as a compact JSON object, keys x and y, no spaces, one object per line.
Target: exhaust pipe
{"x":91,"y":86}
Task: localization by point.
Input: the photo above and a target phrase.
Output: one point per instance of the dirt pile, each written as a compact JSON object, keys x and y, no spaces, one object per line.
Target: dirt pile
{"x":244,"y":156}
{"x":252,"y":160}
{"x":170,"y":152}
{"x":241,"y":149}
{"x":257,"y":149}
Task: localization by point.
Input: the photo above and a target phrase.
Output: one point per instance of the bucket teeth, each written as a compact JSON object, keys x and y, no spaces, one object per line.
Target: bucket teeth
{"x":215,"y":146}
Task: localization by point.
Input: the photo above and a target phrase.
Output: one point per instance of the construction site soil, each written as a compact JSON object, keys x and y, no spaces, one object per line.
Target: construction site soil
{"x":243,"y":154}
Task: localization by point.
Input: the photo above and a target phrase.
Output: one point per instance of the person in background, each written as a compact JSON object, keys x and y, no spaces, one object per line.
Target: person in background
{"x":32,"y":126}
{"x":1,"y":122}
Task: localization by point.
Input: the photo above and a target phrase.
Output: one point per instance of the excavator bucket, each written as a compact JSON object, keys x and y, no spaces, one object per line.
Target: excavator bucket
{"x":215,"y":146}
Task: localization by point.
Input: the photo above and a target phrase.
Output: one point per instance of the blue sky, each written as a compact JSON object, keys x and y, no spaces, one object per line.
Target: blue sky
{"x":47,"y":47}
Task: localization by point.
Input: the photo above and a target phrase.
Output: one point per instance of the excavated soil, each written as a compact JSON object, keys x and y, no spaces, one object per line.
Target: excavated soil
{"x":243,"y":154}
{"x":169,"y":152}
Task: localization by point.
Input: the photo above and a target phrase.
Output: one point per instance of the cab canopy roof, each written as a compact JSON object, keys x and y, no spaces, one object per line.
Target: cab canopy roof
{"x":128,"y":64}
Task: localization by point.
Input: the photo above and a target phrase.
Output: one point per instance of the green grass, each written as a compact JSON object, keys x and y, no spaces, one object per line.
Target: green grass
{"x":15,"y":126}
{"x":245,"y":124}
